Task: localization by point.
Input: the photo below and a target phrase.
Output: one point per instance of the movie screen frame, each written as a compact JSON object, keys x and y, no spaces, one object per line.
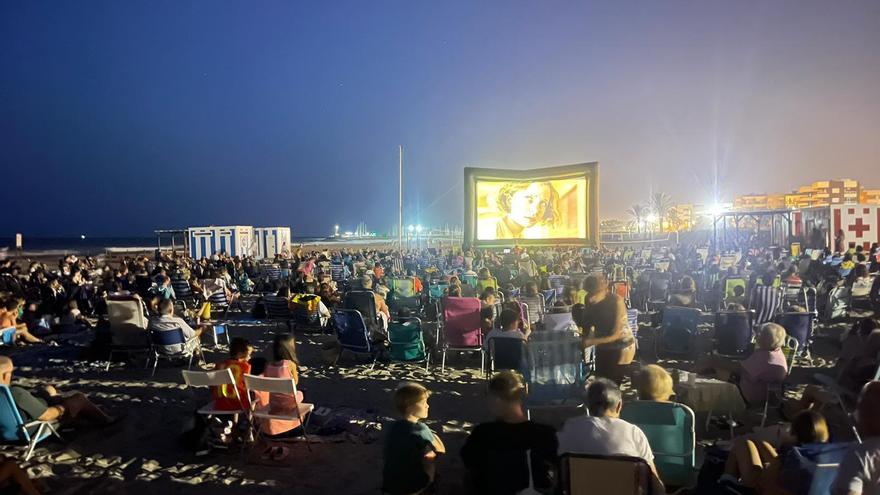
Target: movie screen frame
{"x":588,"y":171}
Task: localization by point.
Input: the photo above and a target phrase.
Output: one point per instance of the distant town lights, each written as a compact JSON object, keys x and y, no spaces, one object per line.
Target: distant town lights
{"x":652,"y":218}
{"x":411,"y":228}
{"x":419,"y":229}
{"x":716,"y":210}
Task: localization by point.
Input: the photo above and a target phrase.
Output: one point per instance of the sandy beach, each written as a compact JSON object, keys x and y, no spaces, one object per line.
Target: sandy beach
{"x":143,"y":453}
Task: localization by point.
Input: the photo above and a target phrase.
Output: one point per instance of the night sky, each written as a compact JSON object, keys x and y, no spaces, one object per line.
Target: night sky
{"x":118,"y":117}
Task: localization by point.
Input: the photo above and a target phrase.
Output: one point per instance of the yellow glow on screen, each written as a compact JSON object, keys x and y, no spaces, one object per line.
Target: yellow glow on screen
{"x":531,"y":209}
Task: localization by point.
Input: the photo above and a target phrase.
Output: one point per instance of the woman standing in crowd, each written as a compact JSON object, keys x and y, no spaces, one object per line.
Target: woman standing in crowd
{"x":603,"y":324}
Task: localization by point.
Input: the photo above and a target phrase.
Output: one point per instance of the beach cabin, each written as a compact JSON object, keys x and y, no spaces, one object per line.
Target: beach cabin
{"x":207,"y":241}
{"x":270,"y":241}
{"x":860,"y":224}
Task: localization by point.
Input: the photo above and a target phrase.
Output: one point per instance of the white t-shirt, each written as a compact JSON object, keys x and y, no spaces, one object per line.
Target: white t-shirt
{"x":860,"y":470}
{"x":603,"y":436}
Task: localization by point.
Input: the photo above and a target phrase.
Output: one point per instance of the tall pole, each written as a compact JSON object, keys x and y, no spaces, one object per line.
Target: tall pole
{"x":400,"y":198}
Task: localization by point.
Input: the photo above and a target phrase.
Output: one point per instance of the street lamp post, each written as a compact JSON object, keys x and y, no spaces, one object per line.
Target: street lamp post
{"x":411,"y":228}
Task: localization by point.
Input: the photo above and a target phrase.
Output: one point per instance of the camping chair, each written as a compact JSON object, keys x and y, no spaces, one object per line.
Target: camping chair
{"x":533,"y":313}
{"x":766,"y":302}
{"x":728,"y":292}
{"x":549,"y":298}
{"x":670,"y":430}
{"x":306,"y":311}
{"x":407,"y":344}
{"x":128,"y":327}
{"x":7,"y":336}
{"x":13,"y":429}
{"x":337,"y":272}
{"x":506,"y":354}
{"x":677,"y":328}
{"x":733,"y":333}
{"x":353,"y":334}
{"x":218,"y":300}
{"x":218,"y":378}
{"x":404,"y":295}
{"x":278,"y":310}
{"x":483,"y":283}
{"x":469,"y":280}
{"x":160,"y":339}
{"x":556,"y":368}
{"x":583,"y":474}
{"x":270,"y":386}
{"x":557,"y":282}
{"x":799,"y":326}
{"x":658,"y":293}
{"x":839,"y":303}
{"x":776,"y":390}
{"x":437,"y":290}
{"x":632,"y":319}
{"x":364,"y":302}
{"x":461,"y":328}
{"x":183,"y":292}
{"x":621,"y":288}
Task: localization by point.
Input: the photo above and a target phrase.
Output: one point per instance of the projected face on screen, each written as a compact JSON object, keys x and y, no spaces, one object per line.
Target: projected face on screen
{"x":539,"y":209}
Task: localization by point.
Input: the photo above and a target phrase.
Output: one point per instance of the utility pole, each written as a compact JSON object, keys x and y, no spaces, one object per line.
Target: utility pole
{"x":400,"y":198}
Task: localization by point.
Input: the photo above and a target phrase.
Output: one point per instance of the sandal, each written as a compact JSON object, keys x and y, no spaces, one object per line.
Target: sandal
{"x":281,"y":454}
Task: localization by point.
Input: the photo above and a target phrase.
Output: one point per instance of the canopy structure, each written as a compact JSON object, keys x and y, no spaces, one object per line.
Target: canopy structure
{"x":781,"y":227}
{"x":171,"y":237}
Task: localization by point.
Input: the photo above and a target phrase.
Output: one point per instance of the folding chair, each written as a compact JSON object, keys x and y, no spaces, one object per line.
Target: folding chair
{"x":353,"y":334}
{"x":219,"y":378}
{"x":533,"y":310}
{"x":14,"y":430}
{"x":676,"y":329}
{"x":461,"y":328}
{"x":270,"y":386}
{"x":160,"y":339}
{"x":583,"y":474}
{"x":557,"y":369}
{"x":670,"y":430}
{"x":766,"y":302}
{"x":733,"y":333}
{"x":777,"y":389}
{"x":800,"y":326}
{"x":506,"y":354}
{"x":632,"y":319}
{"x":549,"y":298}
{"x":559,"y":322}
{"x":7,"y":336}
{"x":364,"y":302}
{"x":407,"y":343}
{"x":278,"y":310}
{"x":128,"y":327}
{"x":658,"y":293}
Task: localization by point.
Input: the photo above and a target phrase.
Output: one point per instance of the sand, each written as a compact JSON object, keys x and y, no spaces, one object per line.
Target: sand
{"x":143,"y":454}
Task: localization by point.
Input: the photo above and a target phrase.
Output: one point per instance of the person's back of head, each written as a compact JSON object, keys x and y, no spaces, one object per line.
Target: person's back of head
{"x":239,"y":348}
{"x":507,"y":390}
{"x":367,"y":282}
{"x":603,"y":398}
{"x":771,"y":336}
{"x":284,"y":348}
{"x":739,"y":291}
{"x":508,"y":319}
{"x":530,"y":289}
{"x":454,"y":291}
{"x":166,"y":307}
{"x":653,"y":383}
{"x":809,"y":426}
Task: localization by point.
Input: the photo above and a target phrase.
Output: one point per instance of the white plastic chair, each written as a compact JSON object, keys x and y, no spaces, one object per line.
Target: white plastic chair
{"x":285,"y":386}
{"x":217,"y":378}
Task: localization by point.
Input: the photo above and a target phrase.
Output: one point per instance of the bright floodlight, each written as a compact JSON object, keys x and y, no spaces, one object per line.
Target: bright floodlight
{"x":410,"y":228}
{"x":418,"y":228}
{"x":716,"y":210}
{"x":652,"y":218}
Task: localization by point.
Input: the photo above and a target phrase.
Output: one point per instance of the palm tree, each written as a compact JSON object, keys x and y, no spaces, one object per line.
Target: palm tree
{"x":660,"y":205}
{"x":638,"y":212}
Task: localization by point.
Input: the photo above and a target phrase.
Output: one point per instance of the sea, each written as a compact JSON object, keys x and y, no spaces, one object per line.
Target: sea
{"x":91,"y":246}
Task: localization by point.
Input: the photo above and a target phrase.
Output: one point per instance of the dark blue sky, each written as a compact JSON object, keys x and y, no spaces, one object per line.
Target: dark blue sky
{"x":117,"y":117}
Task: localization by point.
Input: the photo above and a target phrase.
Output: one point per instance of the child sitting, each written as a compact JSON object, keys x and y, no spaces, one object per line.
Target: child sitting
{"x":225,"y":398}
{"x":410,"y":446}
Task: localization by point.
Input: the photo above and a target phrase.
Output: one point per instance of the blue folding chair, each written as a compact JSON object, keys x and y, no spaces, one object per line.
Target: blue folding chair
{"x":556,"y":368}
{"x":161,"y":339}
{"x":7,"y":335}
{"x":733,"y":333}
{"x":677,"y":327}
{"x":278,"y":310}
{"x":632,"y":318}
{"x":669,"y":428}
{"x":800,"y":326}
{"x":506,"y":354}
{"x":353,"y":335}
{"x":14,"y":430}
{"x":549,"y":297}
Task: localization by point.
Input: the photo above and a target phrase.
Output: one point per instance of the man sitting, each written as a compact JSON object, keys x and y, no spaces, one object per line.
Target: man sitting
{"x":381,"y":308}
{"x":603,"y":432}
{"x":56,"y":407}
{"x":860,"y":471}
{"x":166,"y":322}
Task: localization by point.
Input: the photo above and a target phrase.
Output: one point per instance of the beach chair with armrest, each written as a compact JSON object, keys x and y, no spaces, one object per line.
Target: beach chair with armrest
{"x":14,"y":430}
{"x":556,"y":369}
{"x":559,"y":322}
{"x":800,"y":326}
{"x":183,"y":292}
{"x":286,"y":386}
{"x":128,"y":327}
{"x":766,"y":302}
{"x":776,"y":388}
{"x":632,"y":319}
{"x":354,"y":336}
{"x":658,"y":292}
{"x":404,"y":295}
{"x":461,"y":328}
{"x":730,"y":284}
{"x":670,"y":429}
{"x":506,"y":354}
{"x":583,"y":474}
{"x":406,"y":342}
{"x":733,"y":333}
{"x":677,"y":328}
{"x":7,"y":336}
{"x":549,"y":298}
{"x":159,"y":340}
{"x":532,"y":309}
{"x":278,"y":310}
{"x":364,"y":302}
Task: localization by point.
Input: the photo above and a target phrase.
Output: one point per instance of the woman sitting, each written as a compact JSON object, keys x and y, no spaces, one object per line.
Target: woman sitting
{"x":756,"y":464}
{"x":686,"y":294}
{"x":284,"y":365}
{"x":653,"y":383}
{"x":765,"y":365}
